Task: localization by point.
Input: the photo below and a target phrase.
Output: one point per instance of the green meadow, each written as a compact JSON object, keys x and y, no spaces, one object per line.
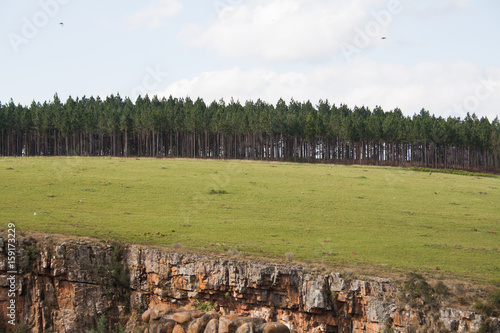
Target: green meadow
{"x":349,"y":216}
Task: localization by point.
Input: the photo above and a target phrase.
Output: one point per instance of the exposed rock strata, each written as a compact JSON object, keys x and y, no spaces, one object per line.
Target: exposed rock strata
{"x":70,"y":285}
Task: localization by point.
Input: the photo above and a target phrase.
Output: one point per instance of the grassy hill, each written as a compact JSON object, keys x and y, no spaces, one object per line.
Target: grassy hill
{"x":373,"y":217}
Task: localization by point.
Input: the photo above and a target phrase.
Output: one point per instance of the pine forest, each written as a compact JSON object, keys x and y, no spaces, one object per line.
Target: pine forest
{"x":255,"y":130}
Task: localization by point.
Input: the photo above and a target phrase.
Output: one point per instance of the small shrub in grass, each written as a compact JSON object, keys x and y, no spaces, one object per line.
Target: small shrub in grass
{"x":482,"y":307}
{"x":460,"y":288}
{"x":417,"y":287}
{"x":289,"y":256}
{"x":441,"y":289}
{"x":218,"y":192}
{"x":177,"y":245}
{"x":233,"y":252}
{"x":494,"y":299}
{"x":489,"y":307}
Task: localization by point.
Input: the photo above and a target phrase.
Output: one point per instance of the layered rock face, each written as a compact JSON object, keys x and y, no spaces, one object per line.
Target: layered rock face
{"x":69,"y":287}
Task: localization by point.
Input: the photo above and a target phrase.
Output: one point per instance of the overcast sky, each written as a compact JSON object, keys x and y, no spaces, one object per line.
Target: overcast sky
{"x":441,"y":55}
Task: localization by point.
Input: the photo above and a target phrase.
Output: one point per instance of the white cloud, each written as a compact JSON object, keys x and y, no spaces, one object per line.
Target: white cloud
{"x":289,"y":30}
{"x":243,"y":85}
{"x":426,"y":8}
{"x":446,"y":90}
{"x":155,"y":15}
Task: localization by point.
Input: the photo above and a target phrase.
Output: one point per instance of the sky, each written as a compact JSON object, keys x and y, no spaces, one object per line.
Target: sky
{"x":440,"y":55}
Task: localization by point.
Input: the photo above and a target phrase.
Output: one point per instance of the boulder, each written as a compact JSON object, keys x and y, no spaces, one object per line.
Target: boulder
{"x":146,"y":316}
{"x":198,"y":325}
{"x":159,"y":310}
{"x":182,"y":317}
{"x":212,"y":326}
{"x":168,"y":326}
{"x":230,"y":324}
{"x":155,"y":326}
{"x":178,"y":329}
{"x":275,"y":328}
{"x":246,"y":328}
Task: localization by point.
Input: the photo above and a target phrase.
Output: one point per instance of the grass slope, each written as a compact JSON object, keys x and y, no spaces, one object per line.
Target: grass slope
{"x":341,"y":215}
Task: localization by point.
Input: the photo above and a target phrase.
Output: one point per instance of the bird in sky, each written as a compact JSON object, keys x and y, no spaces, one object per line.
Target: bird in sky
{"x":62,"y":24}
{"x":384,"y":37}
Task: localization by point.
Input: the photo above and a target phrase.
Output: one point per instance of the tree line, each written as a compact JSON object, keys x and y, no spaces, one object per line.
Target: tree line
{"x":256,"y":130}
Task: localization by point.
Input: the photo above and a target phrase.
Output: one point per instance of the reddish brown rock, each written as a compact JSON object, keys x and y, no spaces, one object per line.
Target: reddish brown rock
{"x":178,"y":329}
{"x":275,"y":328}
{"x":168,"y":326}
{"x":212,"y":326}
{"x":69,"y":283}
{"x":146,"y":316}
{"x":182,"y":317}
{"x":246,"y":328}
{"x":229,"y":324}
{"x":198,"y":325}
{"x":159,"y":310}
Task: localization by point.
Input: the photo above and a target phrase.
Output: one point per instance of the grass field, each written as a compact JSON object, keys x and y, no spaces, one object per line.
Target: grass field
{"x":383,"y":218}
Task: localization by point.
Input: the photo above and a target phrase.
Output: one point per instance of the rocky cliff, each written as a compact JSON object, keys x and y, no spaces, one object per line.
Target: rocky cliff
{"x":76,"y":286}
